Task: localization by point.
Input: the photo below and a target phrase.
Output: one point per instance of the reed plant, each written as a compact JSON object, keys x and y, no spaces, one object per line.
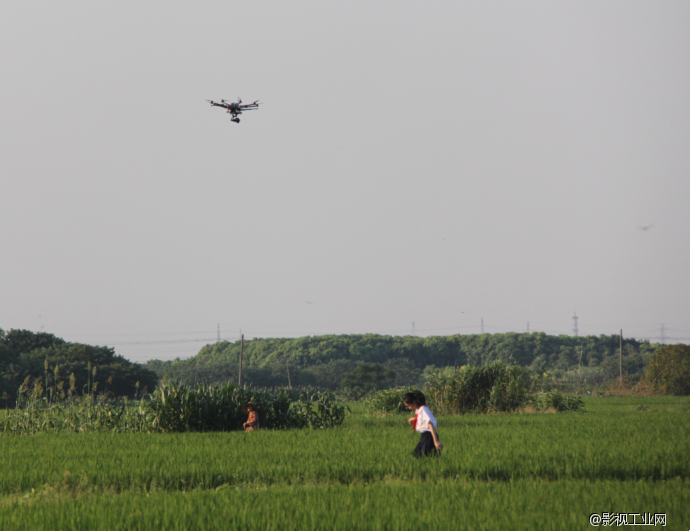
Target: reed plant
{"x":495,"y":387}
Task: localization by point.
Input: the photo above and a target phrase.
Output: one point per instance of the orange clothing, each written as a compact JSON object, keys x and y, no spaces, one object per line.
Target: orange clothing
{"x":252,"y":422}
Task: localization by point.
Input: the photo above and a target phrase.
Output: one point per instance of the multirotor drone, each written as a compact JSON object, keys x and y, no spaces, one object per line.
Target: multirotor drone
{"x":235,"y":108}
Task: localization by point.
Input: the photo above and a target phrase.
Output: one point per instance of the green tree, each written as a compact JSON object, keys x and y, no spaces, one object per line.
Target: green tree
{"x":669,"y":370}
{"x":365,"y":378}
{"x":24,"y":353}
{"x":324,"y":360}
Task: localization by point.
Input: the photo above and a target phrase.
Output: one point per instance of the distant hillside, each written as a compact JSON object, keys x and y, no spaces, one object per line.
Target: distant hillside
{"x":23,"y":354}
{"x":324,"y":360}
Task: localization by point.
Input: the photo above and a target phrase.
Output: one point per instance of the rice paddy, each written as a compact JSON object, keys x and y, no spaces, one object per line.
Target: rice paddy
{"x":517,"y":471}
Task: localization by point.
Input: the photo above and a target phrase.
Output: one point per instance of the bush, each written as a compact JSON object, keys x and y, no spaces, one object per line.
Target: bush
{"x":668,"y":371}
{"x":494,"y":387}
{"x":558,"y":401}
{"x":387,"y":401}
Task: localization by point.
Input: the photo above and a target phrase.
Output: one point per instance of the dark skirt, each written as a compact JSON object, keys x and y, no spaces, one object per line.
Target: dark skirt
{"x":426,"y":446}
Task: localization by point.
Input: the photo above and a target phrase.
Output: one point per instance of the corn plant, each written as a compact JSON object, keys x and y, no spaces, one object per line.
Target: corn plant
{"x":177,"y":407}
{"x":172,"y":407}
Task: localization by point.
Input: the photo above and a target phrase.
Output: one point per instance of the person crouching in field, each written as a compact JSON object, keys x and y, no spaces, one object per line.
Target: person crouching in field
{"x":423,"y":422}
{"x":253,"y":420}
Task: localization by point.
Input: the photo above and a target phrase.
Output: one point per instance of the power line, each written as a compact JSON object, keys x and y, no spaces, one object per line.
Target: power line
{"x":164,"y":342}
{"x":662,"y":337}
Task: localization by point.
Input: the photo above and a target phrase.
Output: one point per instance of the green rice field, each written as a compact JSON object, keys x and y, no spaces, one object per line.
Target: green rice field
{"x":503,"y":471}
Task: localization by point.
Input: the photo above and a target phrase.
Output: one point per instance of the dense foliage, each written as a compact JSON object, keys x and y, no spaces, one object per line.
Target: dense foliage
{"x":494,"y":387}
{"x":170,"y":408}
{"x":669,"y":370}
{"x":558,"y":401}
{"x":82,"y":414}
{"x":387,"y":401}
{"x":352,"y":365}
{"x":364,"y":379}
{"x":335,"y":362}
{"x":23,"y":354}
{"x":178,"y":408}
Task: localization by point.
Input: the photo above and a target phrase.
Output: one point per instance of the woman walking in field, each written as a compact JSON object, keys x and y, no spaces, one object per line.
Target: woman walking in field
{"x":423,"y":422}
{"x":253,"y":420}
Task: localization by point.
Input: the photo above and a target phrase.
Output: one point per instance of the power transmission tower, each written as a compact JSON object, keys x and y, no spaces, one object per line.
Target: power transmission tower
{"x":662,"y":334}
{"x":528,"y":327}
{"x":482,"y":325}
{"x":413,"y":331}
{"x":575,"y":328}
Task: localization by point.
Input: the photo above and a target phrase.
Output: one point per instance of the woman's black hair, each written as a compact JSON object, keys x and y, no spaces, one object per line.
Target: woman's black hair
{"x":415,"y":396}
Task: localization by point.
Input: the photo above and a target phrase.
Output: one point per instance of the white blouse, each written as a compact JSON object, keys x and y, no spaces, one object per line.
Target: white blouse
{"x":424,"y":417}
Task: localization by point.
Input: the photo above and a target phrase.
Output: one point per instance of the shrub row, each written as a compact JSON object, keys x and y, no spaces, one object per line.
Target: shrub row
{"x":491,"y":388}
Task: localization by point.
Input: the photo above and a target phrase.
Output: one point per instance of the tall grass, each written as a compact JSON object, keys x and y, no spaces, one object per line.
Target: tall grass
{"x":470,"y":389}
{"x":78,"y":414}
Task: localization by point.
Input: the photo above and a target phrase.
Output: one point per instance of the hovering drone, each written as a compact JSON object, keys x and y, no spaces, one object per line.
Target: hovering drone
{"x":235,"y":108}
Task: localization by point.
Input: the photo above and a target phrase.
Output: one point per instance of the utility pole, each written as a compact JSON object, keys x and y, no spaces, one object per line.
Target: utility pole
{"x":241,"y":353}
{"x":528,"y":327}
{"x":575,"y":329}
{"x":287,"y":364}
{"x":413,"y":330}
{"x":218,"y":334}
{"x":662,"y":334}
{"x":620,"y":359}
{"x":482,"y":326}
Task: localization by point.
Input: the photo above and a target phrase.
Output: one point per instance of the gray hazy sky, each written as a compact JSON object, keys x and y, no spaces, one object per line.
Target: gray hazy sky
{"x":435,"y":162}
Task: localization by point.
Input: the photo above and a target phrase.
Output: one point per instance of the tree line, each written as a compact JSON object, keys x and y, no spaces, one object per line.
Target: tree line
{"x":352,"y":364}
{"x":357,"y":364}
{"x":24,"y":356}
